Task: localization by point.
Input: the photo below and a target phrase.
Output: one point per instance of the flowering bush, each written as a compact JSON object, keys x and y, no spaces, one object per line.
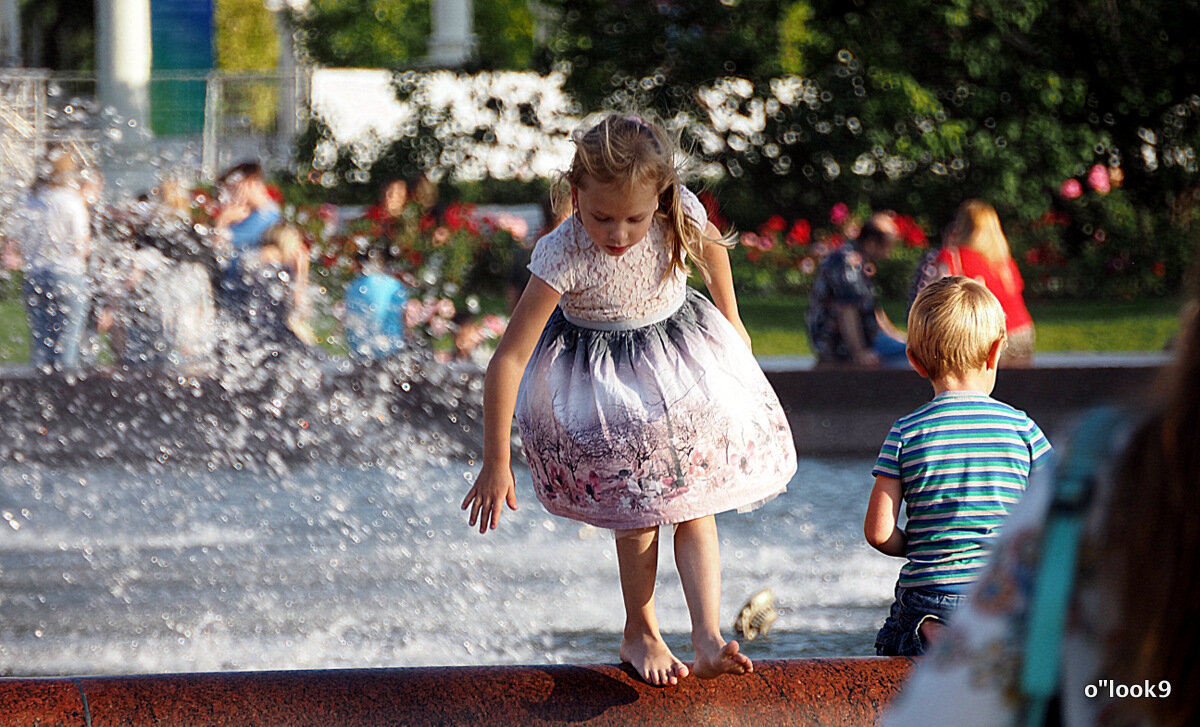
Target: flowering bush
{"x":1095,"y":241}
{"x":783,"y":256}
{"x":440,"y":259}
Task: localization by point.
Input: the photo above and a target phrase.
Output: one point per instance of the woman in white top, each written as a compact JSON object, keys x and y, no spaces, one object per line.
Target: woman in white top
{"x":53,"y":232}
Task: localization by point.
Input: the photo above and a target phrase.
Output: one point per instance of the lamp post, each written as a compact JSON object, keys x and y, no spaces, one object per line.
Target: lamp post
{"x":452,"y":41}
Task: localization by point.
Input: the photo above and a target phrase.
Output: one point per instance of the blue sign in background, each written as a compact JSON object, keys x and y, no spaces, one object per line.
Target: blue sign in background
{"x":181,"y":34}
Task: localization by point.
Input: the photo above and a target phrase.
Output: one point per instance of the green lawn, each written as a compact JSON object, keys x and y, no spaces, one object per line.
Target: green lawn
{"x":14,"y":333}
{"x":777,"y":326}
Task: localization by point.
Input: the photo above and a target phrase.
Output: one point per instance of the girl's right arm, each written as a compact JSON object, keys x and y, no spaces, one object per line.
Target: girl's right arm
{"x":495,"y":485}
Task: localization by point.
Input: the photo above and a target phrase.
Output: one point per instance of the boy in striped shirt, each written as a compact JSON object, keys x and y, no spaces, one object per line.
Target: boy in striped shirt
{"x":959,"y":462}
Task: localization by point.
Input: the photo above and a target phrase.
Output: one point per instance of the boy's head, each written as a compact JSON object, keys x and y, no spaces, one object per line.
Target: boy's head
{"x":952,"y":327}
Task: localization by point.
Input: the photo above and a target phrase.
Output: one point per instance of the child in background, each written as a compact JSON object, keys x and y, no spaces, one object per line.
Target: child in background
{"x":959,"y":462}
{"x":276,"y":279}
{"x":641,"y":404}
{"x":374,"y":310}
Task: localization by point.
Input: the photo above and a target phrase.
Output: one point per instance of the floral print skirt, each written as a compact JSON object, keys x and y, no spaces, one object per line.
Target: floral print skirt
{"x":652,"y":423}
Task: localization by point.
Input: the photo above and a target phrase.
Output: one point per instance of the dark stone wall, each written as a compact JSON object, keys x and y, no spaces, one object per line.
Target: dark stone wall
{"x":849,"y":412}
{"x":305,"y":412}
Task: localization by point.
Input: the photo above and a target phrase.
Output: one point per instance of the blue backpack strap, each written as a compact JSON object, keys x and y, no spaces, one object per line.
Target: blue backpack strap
{"x":1074,"y":480}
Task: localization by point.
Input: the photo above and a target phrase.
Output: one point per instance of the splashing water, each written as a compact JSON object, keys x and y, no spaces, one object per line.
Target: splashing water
{"x":113,"y":569}
{"x":277,"y":509}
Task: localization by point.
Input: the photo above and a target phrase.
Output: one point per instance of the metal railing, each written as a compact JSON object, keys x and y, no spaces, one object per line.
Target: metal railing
{"x":244,"y":115}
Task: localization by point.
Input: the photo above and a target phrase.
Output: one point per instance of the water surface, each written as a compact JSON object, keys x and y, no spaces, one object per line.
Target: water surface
{"x":112,"y":570}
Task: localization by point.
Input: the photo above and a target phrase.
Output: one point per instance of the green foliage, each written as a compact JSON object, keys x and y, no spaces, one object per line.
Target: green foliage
{"x":62,"y":31}
{"x":1004,"y":100}
{"x":395,"y":33}
{"x":797,"y":32}
{"x":363,"y":33}
{"x":504,"y":34}
{"x":922,"y":104}
{"x":626,"y":53}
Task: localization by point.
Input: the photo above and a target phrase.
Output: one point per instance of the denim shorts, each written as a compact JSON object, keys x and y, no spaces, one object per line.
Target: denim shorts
{"x":901,"y":632}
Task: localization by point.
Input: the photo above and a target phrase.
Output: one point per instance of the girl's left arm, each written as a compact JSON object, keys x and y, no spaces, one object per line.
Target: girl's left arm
{"x":720,"y":281}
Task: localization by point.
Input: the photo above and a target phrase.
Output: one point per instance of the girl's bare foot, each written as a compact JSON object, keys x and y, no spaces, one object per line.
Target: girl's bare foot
{"x":717,"y":657}
{"x":652,"y":660}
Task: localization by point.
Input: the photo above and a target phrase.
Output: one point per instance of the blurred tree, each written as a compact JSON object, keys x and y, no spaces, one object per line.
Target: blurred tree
{"x":363,"y":33}
{"x":394,"y":33}
{"x":504,"y":30}
{"x":247,"y":42}
{"x":1009,"y":99}
{"x":59,"y":34}
{"x":625,"y":53}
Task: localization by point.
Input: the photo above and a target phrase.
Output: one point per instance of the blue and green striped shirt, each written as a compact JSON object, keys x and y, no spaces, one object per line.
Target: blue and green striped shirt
{"x":963,"y":461}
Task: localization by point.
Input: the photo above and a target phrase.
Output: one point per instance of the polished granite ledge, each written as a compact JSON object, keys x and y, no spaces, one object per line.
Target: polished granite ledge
{"x":831,"y":692}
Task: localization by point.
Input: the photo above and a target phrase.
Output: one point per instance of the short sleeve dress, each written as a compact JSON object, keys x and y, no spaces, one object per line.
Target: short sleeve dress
{"x":641,"y":405}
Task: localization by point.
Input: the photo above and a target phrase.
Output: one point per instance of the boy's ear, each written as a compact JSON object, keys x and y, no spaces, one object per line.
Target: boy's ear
{"x":993,"y":359}
{"x":916,"y":365}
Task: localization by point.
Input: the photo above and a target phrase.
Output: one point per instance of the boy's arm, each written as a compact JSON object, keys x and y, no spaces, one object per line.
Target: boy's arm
{"x":883,"y":514}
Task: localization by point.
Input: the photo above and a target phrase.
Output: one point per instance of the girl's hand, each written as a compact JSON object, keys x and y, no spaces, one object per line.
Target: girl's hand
{"x":493,"y":487}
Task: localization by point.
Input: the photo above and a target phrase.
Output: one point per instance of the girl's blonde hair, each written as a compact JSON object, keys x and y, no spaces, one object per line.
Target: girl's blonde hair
{"x":626,"y":150}
{"x":977,"y":226}
{"x":952,"y":325}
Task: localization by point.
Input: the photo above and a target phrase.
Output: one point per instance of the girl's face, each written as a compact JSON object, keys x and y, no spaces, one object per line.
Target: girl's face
{"x":616,"y":217}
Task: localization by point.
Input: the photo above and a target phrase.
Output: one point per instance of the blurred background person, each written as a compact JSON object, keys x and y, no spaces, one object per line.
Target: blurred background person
{"x":247,"y":211}
{"x":275,"y":277}
{"x":975,"y":246}
{"x":373,"y":310}
{"x":844,"y":326}
{"x":190,"y":310}
{"x":53,"y":234}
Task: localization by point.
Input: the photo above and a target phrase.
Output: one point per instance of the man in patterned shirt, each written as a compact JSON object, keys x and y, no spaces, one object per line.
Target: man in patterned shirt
{"x":843,"y":324}
{"x":959,"y":462}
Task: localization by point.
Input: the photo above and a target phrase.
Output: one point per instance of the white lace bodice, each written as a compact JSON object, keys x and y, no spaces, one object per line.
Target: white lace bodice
{"x":596,"y":286}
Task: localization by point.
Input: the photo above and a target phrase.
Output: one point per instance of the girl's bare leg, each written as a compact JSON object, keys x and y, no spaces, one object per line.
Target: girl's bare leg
{"x":698,"y":558}
{"x":643,"y":645}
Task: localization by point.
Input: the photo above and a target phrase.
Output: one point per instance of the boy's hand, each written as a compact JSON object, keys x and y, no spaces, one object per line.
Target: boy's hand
{"x":493,"y":488}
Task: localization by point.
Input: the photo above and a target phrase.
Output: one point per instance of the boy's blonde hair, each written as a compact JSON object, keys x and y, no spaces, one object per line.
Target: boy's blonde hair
{"x":626,"y":150}
{"x":952,"y":326}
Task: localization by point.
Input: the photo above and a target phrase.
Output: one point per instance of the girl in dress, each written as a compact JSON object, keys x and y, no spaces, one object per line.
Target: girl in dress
{"x":639,"y":402}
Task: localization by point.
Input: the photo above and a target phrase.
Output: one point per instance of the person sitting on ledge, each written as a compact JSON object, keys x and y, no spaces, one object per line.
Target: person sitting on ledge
{"x":959,"y":462}
{"x":844,"y":326}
